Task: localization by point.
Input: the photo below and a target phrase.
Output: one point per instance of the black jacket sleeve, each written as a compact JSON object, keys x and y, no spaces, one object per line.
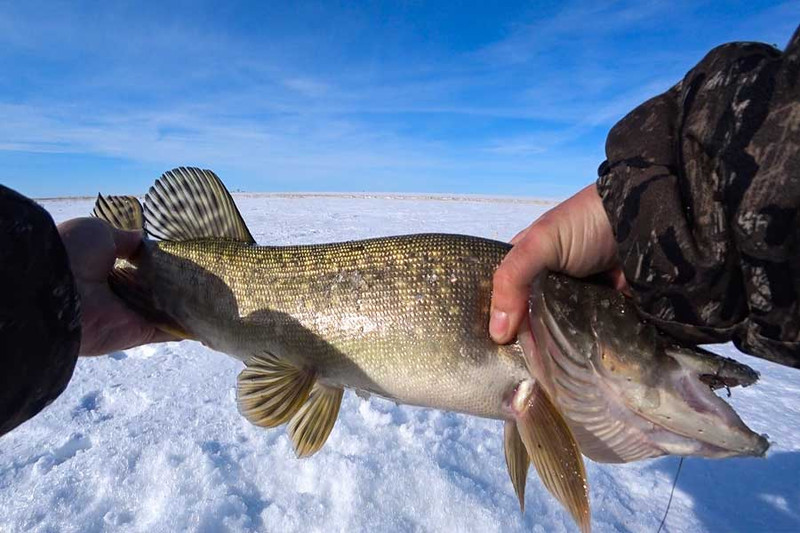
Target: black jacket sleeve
{"x":39,"y":311}
{"x":702,"y":188}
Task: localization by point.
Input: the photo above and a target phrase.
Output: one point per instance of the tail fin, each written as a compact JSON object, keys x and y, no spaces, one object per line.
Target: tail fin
{"x":123,"y":212}
{"x":184,"y":204}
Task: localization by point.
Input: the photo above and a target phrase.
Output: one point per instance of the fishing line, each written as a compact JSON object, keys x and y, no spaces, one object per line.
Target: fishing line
{"x":671,"y":493}
{"x":680,"y":464}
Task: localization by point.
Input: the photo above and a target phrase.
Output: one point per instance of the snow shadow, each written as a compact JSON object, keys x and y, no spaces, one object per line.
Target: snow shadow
{"x":240,"y":486}
{"x":742,"y":494}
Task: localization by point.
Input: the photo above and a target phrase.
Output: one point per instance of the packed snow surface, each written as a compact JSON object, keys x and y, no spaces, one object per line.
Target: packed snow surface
{"x":150,"y":439}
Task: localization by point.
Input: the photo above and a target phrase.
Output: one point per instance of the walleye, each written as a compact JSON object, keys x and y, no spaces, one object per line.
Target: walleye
{"x":406,"y":318}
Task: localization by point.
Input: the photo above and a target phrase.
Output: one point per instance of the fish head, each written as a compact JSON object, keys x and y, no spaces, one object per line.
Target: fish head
{"x":627,"y":390}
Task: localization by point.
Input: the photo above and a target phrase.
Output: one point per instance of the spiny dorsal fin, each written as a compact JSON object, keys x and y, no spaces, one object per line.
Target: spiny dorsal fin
{"x":517,"y":460}
{"x":555,"y":454}
{"x":311,"y":425}
{"x":187,"y":204}
{"x":122,"y":212}
{"x":270,"y":390}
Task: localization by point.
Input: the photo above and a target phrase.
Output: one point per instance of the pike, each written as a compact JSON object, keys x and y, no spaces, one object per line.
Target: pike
{"x":406,"y":318}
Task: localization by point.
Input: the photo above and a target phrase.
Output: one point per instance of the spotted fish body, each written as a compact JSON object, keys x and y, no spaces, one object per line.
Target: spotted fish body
{"x":406,"y":318}
{"x":400,"y":317}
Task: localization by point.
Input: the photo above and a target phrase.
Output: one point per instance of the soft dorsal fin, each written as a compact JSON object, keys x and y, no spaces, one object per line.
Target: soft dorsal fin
{"x":187,"y":204}
{"x":310,"y":426}
{"x":270,"y":390}
{"x":122,"y":212}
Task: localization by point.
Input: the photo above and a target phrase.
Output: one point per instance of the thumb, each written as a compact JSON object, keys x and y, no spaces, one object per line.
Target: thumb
{"x":127,"y":242}
{"x":533,"y":253}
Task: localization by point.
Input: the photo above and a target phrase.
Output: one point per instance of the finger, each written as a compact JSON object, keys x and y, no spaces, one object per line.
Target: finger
{"x":109,"y":326}
{"x":125,"y":339}
{"x":150,"y":334}
{"x":126,"y":242}
{"x":140,"y":329}
{"x":519,"y":236}
{"x":619,"y":282}
{"x":163,"y":336}
{"x":511,"y":283}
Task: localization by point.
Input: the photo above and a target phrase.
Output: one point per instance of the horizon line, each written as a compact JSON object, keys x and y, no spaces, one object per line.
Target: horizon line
{"x":441,"y":197}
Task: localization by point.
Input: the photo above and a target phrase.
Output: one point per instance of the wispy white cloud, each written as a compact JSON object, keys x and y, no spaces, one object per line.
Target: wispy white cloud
{"x":307,"y":87}
{"x":334,"y":104}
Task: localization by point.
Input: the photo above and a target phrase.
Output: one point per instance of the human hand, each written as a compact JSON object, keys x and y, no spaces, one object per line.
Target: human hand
{"x":575,"y":238}
{"x":107,"y":324}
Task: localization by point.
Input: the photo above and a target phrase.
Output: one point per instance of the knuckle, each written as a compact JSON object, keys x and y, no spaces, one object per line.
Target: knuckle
{"x":502,"y":278}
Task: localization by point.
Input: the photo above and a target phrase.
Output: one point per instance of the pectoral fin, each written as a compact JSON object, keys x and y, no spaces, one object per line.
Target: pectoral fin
{"x":311,"y":425}
{"x":517,"y":460}
{"x":553,"y":451}
{"x":270,"y":391}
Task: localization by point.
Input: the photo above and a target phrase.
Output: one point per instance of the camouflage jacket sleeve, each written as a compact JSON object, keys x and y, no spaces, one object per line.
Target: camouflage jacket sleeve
{"x":39,"y":311}
{"x":702,"y":188}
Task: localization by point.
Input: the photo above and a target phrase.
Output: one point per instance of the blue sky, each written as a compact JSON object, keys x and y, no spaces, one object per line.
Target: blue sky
{"x":507,"y":98}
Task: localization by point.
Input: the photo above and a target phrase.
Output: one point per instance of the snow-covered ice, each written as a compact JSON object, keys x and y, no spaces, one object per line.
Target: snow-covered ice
{"x":150,"y":439}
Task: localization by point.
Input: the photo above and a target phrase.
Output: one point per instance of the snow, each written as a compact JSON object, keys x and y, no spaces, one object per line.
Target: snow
{"x":150,"y":439}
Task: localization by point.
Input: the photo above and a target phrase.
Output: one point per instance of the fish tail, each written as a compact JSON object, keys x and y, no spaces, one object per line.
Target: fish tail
{"x":126,"y":282}
{"x":184,"y":204}
{"x":122,"y":212}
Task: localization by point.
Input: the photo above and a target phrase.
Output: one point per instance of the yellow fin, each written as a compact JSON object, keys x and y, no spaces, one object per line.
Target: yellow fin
{"x":122,"y":212}
{"x":311,"y":425}
{"x":187,"y":204}
{"x":555,"y":453}
{"x":269,"y":390}
{"x":517,"y":460}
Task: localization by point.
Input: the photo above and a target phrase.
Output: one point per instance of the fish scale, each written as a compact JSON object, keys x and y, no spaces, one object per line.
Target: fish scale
{"x":378,"y":304}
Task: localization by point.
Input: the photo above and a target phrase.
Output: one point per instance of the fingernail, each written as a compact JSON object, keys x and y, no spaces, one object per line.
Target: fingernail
{"x":498,"y":325}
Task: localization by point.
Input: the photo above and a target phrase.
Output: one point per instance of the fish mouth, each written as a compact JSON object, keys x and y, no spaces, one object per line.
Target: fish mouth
{"x":627,"y":391}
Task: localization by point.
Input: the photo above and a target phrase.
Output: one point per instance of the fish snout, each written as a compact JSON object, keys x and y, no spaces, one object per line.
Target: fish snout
{"x":691,"y":408}
{"x":627,"y":391}
{"x":714,"y":370}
